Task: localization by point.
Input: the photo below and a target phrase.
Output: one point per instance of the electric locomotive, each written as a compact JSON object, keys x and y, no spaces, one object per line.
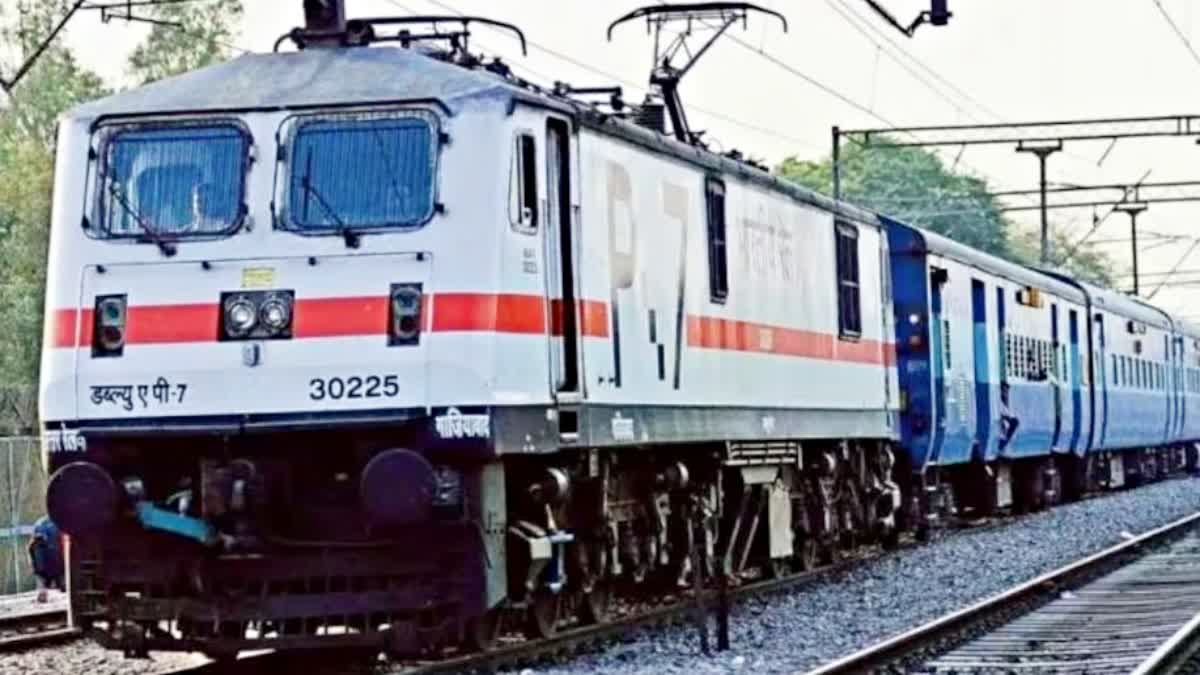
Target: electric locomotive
{"x":377,"y":345}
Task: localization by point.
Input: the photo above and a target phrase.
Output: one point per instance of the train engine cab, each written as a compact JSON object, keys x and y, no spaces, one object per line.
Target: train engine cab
{"x":291,"y":321}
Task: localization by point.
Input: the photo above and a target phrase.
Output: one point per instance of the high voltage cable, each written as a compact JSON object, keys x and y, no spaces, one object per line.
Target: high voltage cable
{"x":854,"y":23}
{"x":1178,"y":33}
{"x":637,"y":87}
{"x":761,"y":52}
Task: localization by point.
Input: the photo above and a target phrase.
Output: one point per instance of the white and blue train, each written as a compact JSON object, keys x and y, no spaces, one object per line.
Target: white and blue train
{"x":377,"y":345}
{"x":1025,"y":386}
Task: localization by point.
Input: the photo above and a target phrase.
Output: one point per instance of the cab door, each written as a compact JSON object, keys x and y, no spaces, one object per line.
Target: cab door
{"x":561,"y":279}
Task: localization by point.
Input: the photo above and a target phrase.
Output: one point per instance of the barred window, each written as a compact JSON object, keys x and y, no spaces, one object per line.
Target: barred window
{"x":362,"y":172}
{"x":946,"y":344}
{"x":718,"y":263}
{"x":175,"y":180}
{"x":849,"y":297}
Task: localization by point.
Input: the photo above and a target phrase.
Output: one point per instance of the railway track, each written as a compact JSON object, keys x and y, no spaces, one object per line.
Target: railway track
{"x":35,"y":629}
{"x":514,"y":652}
{"x":1112,"y":612}
{"x":521,"y":652}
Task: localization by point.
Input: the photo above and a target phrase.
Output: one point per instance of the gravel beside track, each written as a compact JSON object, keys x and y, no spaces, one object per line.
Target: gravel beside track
{"x":77,"y":656}
{"x":87,"y":658}
{"x":798,"y":631}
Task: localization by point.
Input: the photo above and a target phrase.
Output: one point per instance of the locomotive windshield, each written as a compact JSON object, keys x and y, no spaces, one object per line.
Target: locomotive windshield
{"x":172,"y":180}
{"x":361,"y":172}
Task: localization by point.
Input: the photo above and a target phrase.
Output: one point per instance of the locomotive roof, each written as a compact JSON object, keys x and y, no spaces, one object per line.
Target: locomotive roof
{"x":359,"y":76}
{"x":303,"y":79}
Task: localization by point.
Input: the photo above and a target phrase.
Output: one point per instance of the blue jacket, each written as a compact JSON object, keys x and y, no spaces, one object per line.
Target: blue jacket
{"x":45,"y":553}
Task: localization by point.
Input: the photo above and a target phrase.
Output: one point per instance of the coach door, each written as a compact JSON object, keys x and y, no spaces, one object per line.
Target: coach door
{"x":1101,"y":382}
{"x":560,"y":259}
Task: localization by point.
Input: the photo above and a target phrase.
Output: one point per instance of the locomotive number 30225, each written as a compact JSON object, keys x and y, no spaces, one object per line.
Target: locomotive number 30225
{"x":338,"y":388}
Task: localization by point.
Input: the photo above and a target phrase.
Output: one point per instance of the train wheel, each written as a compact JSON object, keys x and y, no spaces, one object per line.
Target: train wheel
{"x":545,"y":610}
{"x":595,"y":605}
{"x":482,"y":631}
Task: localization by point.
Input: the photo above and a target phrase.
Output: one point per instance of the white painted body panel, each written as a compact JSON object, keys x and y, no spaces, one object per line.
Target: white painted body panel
{"x":780,"y":263}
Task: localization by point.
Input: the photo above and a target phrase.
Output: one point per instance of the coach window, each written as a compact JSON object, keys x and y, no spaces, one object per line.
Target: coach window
{"x":946,"y":345}
{"x":718,"y":255}
{"x":523,"y":189}
{"x":849,"y":298}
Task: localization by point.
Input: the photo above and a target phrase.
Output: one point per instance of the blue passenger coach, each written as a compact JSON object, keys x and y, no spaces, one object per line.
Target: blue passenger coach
{"x":1137,"y":400}
{"x":992,"y":360}
{"x":1187,"y":380}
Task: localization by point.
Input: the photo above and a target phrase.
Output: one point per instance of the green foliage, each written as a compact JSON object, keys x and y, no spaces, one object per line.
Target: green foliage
{"x":914,"y":186}
{"x":27,"y":136}
{"x":1084,"y":262}
{"x":27,"y":130}
{"x":199,"y":38}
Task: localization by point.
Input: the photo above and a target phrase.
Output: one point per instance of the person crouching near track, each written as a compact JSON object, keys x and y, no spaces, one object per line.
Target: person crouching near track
{"x":45,"y":556}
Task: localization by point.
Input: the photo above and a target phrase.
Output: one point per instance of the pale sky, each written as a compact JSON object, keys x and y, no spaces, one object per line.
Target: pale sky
{"x":1007,"y":61}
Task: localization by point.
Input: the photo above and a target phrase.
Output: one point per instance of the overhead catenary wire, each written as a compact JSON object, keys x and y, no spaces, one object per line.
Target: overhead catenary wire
{"x":857,"y":23}
{"x":641,"y":89}
{"x":1178,"y":33}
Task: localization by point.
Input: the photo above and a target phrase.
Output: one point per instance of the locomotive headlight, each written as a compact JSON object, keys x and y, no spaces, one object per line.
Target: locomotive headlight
{"x":275,"y":313}
{"x":108,"y":337}
{"x":240,"y":316}
{"x":405,"y":313}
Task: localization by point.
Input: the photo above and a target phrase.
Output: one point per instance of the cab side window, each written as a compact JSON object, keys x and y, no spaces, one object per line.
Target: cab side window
{"x":523,"y":188}
{"x":849,"y":296}
{"x":718,"y":255}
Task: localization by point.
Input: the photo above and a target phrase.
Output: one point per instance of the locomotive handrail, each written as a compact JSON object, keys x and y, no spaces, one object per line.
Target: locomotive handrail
{"x":361,"y":31}
{"x":436,"y":19}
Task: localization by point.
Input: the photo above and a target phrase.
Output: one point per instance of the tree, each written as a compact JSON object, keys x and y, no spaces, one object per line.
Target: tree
{"x":191,"y":36}
{"x":55,"y":82}
{"x":1082,"y":262}
{"x":914,"y":186}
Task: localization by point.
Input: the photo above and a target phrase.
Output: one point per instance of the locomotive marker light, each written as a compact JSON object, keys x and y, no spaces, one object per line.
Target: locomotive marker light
{"x":405,"y":314}
{"x":109,"y":329}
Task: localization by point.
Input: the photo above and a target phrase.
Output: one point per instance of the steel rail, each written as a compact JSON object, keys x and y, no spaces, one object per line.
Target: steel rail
{"x":26,"y":631}
{"x":681,"y":612}
{"x":1170,"y":656}
{"x":893,"y":649}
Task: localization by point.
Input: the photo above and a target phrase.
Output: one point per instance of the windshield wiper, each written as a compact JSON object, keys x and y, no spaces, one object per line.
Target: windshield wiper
{"x":348,"y":234}
{"x":387,"y":162}
{"x":167,"y":248}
